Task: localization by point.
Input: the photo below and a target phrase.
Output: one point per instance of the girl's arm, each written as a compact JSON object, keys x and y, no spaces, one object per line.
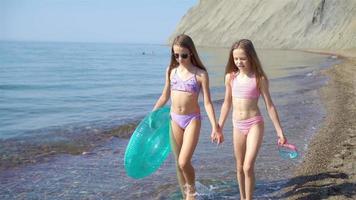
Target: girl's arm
{"x":271,"y":109}
{"x":165,"y":93}
{"x":225,"y":108}
{"x":210,"y":109}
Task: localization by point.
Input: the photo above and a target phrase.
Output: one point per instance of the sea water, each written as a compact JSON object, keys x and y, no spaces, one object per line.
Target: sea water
{"x":62,"y":103}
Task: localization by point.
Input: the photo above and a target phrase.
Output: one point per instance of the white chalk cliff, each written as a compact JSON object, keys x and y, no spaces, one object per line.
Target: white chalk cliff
{"x":293,"y":24}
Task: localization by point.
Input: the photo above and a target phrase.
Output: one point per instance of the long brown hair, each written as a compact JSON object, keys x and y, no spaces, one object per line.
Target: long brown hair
{"x":185,"y":41}
{"x":250,"y":51}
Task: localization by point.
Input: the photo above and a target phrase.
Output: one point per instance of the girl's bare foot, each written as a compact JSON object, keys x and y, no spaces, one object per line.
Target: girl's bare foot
{"x":190,"y":192}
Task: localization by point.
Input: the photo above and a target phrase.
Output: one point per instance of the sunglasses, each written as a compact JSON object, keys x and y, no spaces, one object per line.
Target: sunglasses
{"x":183,"y":55}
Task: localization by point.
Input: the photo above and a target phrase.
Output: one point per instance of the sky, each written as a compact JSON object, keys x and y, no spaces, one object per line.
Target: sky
{"x":117,"y":21}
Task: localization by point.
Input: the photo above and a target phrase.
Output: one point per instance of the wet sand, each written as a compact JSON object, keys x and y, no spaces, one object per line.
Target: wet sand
{"x":328,"y":169}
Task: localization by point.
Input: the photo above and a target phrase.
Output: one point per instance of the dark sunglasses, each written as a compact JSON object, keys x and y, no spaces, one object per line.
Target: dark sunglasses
{"x":183,"y":56}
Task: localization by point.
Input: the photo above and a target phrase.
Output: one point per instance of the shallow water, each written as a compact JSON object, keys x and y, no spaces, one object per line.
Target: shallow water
{"x":99,"y":173}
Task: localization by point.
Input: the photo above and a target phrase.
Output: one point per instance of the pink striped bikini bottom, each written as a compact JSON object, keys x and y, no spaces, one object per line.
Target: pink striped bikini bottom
{"x":245,"y":125}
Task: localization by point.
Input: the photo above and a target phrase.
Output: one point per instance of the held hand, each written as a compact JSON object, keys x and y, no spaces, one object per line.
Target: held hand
{"x":217,"y":136}
{"x":213,"y":136}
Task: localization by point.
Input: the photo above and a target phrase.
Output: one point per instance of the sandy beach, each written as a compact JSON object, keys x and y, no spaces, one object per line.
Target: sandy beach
{"x":328,"y":169}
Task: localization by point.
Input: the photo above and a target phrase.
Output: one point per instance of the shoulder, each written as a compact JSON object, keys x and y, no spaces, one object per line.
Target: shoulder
{"x":200,"y":73}
{"x":263,"y":83}
{"x":169,"y":73}
{"x":229,"y":76}
{"x":264,"y":80}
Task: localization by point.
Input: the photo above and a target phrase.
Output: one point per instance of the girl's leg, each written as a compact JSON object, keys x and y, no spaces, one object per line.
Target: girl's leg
{"x":176,"y":142}
{"x":190,"y":141}
{"x":253,"y":144}
{"x":239,"y":141}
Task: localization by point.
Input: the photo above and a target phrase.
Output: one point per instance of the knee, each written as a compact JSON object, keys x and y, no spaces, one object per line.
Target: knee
{"x":239,"y":168}
{"x":248,"y":169}
{"x":183,"y":164}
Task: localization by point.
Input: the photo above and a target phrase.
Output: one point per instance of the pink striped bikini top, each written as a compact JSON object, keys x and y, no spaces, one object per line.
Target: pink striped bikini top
{"x":245,"y":89}
{"x":190,"y":85}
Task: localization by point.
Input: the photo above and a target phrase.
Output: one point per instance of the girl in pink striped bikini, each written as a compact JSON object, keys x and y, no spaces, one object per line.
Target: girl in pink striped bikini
{"x":245,"y":81}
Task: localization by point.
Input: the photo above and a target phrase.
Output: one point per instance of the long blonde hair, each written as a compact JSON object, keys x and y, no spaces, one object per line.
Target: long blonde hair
{"x":185,"y":41}
{"x":250,"y":51}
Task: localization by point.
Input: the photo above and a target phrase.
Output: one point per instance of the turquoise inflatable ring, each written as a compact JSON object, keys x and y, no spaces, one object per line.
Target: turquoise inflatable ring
{"x":149,"y":144}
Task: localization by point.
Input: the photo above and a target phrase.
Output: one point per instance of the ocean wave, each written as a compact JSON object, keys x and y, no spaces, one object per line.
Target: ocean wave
{"x":41,"y":144}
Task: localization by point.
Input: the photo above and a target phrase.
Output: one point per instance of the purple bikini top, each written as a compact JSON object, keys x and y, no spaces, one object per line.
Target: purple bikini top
{"x":190,"y":85}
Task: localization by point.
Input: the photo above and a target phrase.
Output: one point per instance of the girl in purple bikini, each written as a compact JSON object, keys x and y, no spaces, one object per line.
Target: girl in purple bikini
{"x":186,"y":76}
{"x":245,"y":81}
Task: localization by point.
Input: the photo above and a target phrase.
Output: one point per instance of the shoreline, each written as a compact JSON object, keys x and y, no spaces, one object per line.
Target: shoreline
{"x":328,"y":168}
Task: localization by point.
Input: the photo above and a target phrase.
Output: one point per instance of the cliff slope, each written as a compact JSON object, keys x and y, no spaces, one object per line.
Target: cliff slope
{"x":319,"y":24}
